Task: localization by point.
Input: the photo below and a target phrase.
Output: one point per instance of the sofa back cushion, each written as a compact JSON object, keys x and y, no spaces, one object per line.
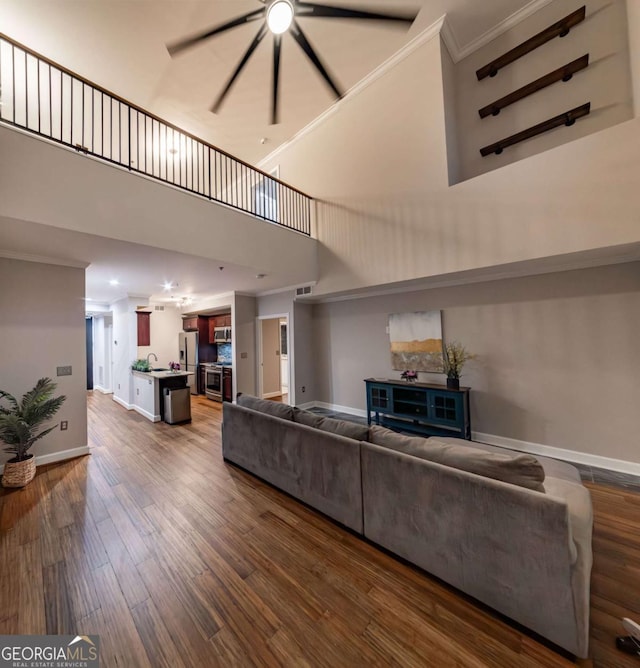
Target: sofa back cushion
{"x":517,"y":469}
{"x":265,"y":406}
{"x":358,"y":432}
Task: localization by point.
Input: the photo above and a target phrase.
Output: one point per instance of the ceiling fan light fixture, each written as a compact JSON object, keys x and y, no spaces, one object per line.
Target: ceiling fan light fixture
{"x":279,"y":16}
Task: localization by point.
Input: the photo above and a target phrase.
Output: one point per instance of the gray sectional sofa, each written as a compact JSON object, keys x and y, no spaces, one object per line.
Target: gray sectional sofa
{"x":511,"y":530}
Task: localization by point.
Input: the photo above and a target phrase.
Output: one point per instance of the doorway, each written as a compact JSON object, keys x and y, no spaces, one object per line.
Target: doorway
{"x":273,"y":362}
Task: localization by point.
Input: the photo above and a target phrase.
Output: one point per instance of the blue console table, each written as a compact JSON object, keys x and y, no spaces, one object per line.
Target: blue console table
{"x":432,"y":410}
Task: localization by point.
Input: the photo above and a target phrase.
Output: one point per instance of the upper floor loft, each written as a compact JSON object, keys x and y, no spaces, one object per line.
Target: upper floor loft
{"x":70,"y":149}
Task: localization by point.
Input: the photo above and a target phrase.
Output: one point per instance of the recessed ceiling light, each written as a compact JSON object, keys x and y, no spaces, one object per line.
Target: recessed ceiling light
{"x":114,"y":281}
{"x":167,"y":285}
{"x":260,"y":275}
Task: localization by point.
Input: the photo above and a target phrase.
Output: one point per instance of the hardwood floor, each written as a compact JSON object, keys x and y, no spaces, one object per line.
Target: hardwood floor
{"x":175,"y":558}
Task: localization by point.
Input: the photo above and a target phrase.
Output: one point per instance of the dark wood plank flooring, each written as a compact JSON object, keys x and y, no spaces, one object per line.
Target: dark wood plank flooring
{"x":177,"y":559}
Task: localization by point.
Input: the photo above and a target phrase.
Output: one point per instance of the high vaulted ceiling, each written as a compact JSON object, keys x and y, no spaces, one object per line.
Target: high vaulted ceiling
{"x":120,"y":45}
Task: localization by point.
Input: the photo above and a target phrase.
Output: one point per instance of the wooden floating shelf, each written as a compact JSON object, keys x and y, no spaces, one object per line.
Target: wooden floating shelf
{"x":568,"y":118}
{"x":564,"y":73}
{"x":559,"y":29}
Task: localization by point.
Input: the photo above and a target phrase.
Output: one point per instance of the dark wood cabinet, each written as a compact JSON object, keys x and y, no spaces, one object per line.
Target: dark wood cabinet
{"x":190,"y":324}
{"x":218,"y":321}
{"x":227,"y":385}
{"x":423,"y":408}
{"x":144,"y":328}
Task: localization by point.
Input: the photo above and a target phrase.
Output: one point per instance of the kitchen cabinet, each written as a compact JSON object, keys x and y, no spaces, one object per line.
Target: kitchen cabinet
{"x":190,"y":324}
{"x":218,"y":321}
{"x":144,"y":328}
{"x":227,"y":385}
{"x":212,"y":327}
{"x":145,"y":400}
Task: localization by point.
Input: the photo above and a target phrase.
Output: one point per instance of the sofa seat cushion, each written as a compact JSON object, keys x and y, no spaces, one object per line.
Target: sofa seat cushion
{"x":358,"y":432}
{"x":517,"y":469}
{"x":265,"y":406}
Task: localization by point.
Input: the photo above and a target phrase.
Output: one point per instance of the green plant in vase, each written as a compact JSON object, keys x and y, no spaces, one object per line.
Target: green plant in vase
{"x":21,"y":426}
{"x":455,"y":357}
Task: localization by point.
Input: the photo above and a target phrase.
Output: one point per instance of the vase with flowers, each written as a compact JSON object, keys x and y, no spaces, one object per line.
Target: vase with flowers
{"x":455,"y":357}
{"x":174,"y":366}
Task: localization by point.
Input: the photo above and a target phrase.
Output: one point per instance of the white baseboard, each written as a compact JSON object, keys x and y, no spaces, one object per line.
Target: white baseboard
{"x":574,"y":456}
{"x":103,"y":390}
{"x":270,"y":395}
{"x":122,"y":402}
{"x":149,"y":416}
{"x":60,"y":456}
{"x":609,"y":463}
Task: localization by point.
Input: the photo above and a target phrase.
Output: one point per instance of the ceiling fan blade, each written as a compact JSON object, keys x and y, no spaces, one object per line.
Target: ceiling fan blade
{"x":300,"y":37}
{"x":245,"y":59}
{"x":327,"y":11}
{"x":277,"y":45}
{"x":177,"y":47}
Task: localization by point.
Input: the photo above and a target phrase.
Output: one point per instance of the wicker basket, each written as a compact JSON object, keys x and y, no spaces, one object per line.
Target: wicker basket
{"x":19,"y":474}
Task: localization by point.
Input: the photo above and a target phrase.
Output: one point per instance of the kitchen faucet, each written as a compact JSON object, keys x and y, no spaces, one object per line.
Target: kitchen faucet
{"x":154,"y":356}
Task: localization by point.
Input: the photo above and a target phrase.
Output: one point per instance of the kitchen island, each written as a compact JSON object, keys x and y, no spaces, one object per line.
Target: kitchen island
{"x":148,"y":390}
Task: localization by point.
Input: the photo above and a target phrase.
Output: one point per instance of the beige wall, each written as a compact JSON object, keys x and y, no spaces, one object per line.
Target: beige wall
{"x":387,"y":214}
{"x":42,"y":326}
{"x":605,"y":83}
{"x":270,"y":357}
{"x":244,"y":348}
{"x":79,"y":193}
{"x":557,"y":354}
{"x":165,"y":327}
{"x":302,"y":339}
{"x":633,"y":23}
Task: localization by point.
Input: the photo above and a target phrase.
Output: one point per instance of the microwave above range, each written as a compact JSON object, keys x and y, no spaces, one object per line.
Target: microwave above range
{"x":222,"y":335}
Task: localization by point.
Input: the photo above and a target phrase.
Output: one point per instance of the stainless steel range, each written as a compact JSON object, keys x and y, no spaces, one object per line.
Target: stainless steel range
{"x":213,"y":381}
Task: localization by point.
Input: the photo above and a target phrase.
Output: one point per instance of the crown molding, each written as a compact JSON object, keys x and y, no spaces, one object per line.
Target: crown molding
{"x":458,"y":52}
{"x":421,"y":38}
{"x":43,"y":259}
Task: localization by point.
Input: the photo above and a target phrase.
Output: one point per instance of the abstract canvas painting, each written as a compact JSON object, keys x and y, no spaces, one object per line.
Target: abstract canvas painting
{"x":416,"y":341}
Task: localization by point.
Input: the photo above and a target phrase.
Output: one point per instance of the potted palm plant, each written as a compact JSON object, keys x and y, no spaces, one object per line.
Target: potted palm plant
{"x":20,"y":426}
{"x":455,"y":357}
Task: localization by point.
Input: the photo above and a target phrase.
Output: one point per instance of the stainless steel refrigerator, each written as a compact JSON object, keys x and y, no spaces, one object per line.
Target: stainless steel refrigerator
{"x":188,"y":346}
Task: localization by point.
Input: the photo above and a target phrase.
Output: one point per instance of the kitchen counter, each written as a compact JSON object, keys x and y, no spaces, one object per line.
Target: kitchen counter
{"x":148,"y":387}
{"x":162,"y":374}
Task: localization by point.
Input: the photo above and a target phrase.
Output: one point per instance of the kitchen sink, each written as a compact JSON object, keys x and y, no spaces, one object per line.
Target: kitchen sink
{"x":159,"y":369}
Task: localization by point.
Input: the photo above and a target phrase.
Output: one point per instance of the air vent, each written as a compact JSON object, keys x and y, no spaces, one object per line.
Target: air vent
{"x":306,"y":290}
{"x":159,"y":308}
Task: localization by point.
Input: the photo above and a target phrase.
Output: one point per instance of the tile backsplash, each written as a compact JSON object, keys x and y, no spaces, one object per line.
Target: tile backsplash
{"x":224,"y":353}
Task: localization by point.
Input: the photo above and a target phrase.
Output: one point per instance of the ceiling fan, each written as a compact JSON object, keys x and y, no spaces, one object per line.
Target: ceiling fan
{"x":279,"y":17}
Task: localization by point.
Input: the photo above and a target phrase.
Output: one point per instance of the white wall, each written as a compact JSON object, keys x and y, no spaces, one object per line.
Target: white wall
{"x":102,"y":349}
{"x":165,"y":326}
{"x":42,"y":327}
{"x":125,"y":348}
{"x":557,"y":354}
